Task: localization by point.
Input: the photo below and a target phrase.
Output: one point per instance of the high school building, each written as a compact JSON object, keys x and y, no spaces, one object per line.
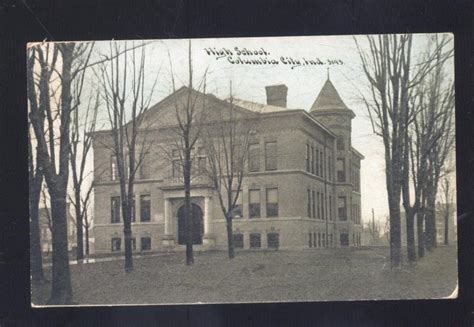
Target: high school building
{"x":301,"y":188}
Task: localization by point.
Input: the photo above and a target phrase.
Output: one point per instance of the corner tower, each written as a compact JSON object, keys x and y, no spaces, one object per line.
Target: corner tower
{"x":332,"y":112}
{"x":329,"y":109}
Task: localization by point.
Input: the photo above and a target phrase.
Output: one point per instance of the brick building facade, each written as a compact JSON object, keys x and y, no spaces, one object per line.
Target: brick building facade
{"x":301,"y":187}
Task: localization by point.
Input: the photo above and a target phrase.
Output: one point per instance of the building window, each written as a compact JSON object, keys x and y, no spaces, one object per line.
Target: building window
{"x":238,"y":241}
{"x":310,"y":240}
{"x":176,"y":168}
{"x":330,"y":168}
{"x":312,"y":159}
{"x":308,"y":162}
{"x":255,"y":241}
{"x":238,"y":210}
{"x":317,"y":163}
{"x":319,"y":240}
{"x":201,"y":168}
{"x":272,"y":202}
{"x":273,"y":240}
{"x":271,"y":157}
{"x":134,"y":243}
{"x":113,"y":168}
{"x":330,"y":239}
{"x":318,"y":197}
{"x":145,"y":243}
{"x":340,"y":143}
{"x":115,"y":209}
{"x":324,"y":240}
{"x":344,"y":237}
{"x":315,"y":241}
{"x":314,"y":203}
{"x":145,"y":207}
{"x":341,"y":170}
{"x":144,"y":171}
{"x":356,"y":179}
{"x":330,"y":207}
{"x":309,"y":203}
{"x":254,"y":203}
{"x":116,"y":244}
{"x":132,"y":209}
{"x":342,"y":208}
{"x":254,"y":157}
{"x":321,"y":164}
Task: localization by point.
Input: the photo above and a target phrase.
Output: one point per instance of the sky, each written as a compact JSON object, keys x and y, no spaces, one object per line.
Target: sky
{"x":337,"y":56}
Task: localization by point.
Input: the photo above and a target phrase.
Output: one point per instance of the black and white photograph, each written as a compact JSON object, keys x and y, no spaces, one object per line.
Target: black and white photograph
{"x":242,"y":170}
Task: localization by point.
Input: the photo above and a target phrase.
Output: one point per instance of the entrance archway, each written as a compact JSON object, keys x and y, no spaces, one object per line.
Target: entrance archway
{"x":198,"y":227}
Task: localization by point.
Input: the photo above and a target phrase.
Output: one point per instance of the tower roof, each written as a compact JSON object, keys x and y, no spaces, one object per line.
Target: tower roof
{"x":328,"y":98}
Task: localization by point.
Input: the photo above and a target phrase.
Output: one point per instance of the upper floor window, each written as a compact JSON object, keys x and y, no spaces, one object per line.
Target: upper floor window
{"x":201,"y":167}
{"x":340,"y":143}
{"x":317,"y":163}
{"x":254,"y":203}
{"x":341,"y":169}
{"x":132,"y":209}
{"x":330,"y":207}
{"x":254,"y":157}
{"x":113,"y":168}
{"x":238,"y":212}
{"x":342,"y":208}
{"x":271,"y":155}
{"x":115,"y":209}
{"x":145,"y":207}
{"x":272,"y":202}
{"x":312,"y":160}
{"x":308,"y":158}
{"x":321,"y":164}
{"x":144,"y":171}
{"x":176,"y":168}
{"x":309,"y":203}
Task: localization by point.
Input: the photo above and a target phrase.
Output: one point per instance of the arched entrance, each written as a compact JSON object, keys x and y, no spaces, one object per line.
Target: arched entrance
{"x":198,"y":227}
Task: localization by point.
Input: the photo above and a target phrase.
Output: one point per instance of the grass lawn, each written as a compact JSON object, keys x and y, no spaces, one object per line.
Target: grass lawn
{"x":255,"y":276}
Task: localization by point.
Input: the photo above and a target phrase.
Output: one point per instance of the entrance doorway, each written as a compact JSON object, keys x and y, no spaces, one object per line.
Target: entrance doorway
{"x":198,"y":227}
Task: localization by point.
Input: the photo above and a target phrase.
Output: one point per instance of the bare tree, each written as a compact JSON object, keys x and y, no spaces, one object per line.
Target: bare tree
{"x":81,"y":143}
{"x":122,"y":74}
{"x":59,"y":66}
{"x":227,"y":146}
{"x":35,"y":177}
{"x":447,"y":195}
{"x":392,"y":76}
{"x":190,"y":115}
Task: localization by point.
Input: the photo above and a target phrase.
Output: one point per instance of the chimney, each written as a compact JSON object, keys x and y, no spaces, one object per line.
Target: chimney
{"x":276,"y":95}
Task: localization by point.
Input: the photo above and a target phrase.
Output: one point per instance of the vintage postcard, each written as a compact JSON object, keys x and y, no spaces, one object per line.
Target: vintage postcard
{"x":242,"y":170}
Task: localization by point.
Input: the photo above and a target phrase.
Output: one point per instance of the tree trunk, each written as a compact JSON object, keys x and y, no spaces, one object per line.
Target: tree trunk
{"x":61,"y":292}
{"x":36,"y":258}
{"x":230,"y":238}
{"x":395,"y":237}
{"x":187,"y":207}
{"x":446,"y":226}
{"x":430,"y":222}
{"x":127,"y":234}
{"x":87,"y":240}
{"x":420,"y":233}
{"x":188,"y":225}
{"x":411,"y":248}
{"x":79,"y":226}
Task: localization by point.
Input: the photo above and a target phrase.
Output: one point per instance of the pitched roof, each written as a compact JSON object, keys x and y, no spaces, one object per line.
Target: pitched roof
{"x":328,"y":98}
{"x":257,"y":107}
